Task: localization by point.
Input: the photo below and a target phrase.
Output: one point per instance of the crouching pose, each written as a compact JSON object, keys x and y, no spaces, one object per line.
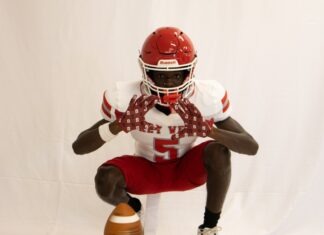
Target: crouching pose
{"x":165,"y":112}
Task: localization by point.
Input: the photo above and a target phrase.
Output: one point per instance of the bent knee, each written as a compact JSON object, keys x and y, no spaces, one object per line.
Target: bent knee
{"x":107,"y":179}
{"x":217,"y":156}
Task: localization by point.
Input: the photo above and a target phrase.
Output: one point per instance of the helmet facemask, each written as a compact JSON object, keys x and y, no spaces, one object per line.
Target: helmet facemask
{"x":166,"y":94}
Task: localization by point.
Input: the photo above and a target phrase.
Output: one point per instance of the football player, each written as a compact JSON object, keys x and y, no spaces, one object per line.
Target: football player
{"x":165,"y":112}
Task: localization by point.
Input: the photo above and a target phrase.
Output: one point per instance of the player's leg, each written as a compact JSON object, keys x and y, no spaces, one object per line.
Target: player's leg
{"x":127,"y":174}
{"x":217,"y":161}
{"x":110,"y":185}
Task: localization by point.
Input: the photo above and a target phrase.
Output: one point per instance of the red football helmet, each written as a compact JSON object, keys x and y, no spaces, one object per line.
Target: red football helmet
{"x":168,"y":49}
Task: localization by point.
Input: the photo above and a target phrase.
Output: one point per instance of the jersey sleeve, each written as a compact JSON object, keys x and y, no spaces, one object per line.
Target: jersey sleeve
{"x":212,"y":100}
{"x":115,"y":100}
{"x":224,"y":109}
{"x":108,"y":110}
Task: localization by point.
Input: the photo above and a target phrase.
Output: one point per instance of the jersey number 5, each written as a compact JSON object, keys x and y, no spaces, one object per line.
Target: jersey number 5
{"x":165,"y":149}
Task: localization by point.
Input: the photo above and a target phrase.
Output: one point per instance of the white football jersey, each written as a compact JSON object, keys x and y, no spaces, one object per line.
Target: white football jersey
{"x":209,"y":97}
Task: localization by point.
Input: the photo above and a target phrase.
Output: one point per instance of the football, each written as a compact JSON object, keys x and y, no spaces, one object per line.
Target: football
{"x":123,"y":221}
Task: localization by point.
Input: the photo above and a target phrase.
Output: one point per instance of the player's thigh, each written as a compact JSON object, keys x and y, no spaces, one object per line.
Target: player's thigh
{"x":141,"y":176}
{"x":192,"y":166}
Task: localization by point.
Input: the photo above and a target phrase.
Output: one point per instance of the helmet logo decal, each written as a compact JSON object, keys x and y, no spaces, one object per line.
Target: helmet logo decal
{"x":168,"y":63}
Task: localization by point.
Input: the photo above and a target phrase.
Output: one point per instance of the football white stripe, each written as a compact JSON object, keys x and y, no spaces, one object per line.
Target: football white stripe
{"x":124,"y":219}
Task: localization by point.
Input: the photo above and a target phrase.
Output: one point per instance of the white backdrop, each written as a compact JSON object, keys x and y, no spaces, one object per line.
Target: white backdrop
{"x":57,"y":57}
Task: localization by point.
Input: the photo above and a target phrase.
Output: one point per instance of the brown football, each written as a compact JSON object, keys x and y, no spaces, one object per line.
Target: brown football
{"x":123,"y":221}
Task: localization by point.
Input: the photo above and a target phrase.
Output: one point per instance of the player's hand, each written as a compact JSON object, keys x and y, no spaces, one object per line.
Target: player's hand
{"x":133,"y":118}
{"x":195,"y":124}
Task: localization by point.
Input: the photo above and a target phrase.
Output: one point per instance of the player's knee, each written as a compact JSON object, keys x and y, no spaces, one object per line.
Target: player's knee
{"x":217,"y":157}
{"x":106,"y":181}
